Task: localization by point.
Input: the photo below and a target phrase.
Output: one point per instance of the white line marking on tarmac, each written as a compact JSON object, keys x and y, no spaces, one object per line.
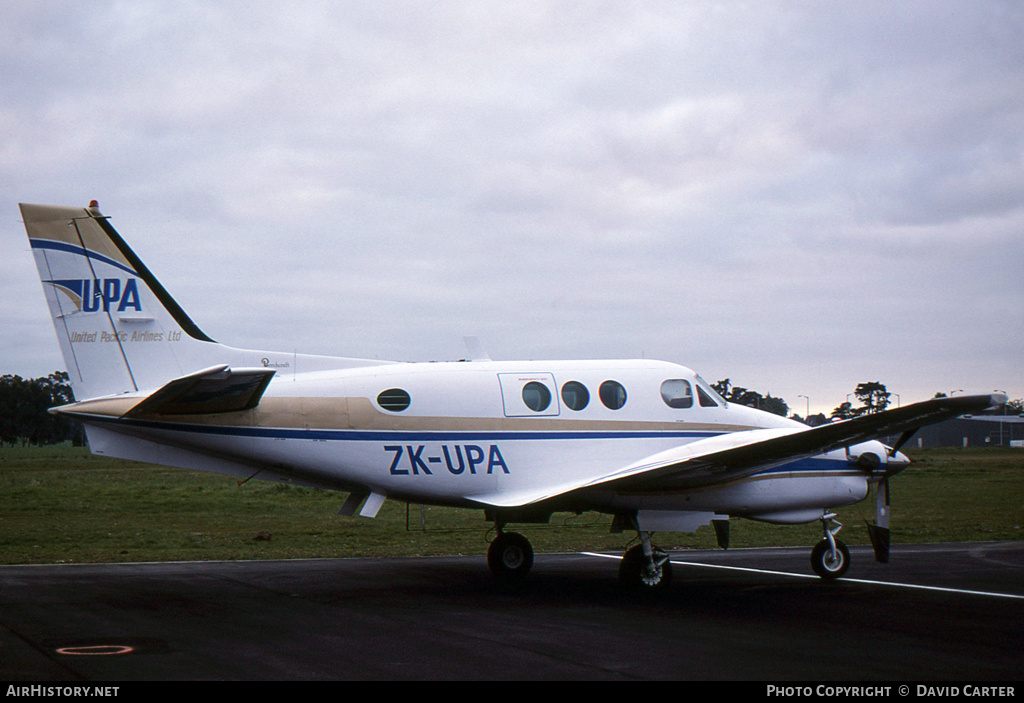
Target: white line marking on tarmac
{"x":871,"y":582}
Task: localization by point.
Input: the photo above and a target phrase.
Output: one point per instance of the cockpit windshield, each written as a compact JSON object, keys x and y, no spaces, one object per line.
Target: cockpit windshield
{"x":709,"y":397}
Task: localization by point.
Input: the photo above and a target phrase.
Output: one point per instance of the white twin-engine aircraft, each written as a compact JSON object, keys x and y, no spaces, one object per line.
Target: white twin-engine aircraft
{"x":648,"y":442}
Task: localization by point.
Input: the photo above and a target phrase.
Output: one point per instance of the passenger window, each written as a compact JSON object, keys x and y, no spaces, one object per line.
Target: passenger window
{"x":613,"y":395}
{"x":575,"y":395}
{"x":536,"y":396}
{"x":677,"y":393}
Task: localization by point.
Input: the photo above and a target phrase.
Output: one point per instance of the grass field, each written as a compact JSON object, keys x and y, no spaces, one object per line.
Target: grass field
{"x":61,"y":504}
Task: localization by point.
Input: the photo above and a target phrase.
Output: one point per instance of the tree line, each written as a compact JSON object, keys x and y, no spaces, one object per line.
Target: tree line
{"x":23,"y":411}
{"x":873,"y":397}
{"x":752,"y":399}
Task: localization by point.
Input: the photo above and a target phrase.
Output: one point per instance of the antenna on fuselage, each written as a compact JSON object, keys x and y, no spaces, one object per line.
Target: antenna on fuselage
{"x":476,"y":350}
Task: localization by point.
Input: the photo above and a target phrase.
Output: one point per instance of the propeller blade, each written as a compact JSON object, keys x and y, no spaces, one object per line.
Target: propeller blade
{"x":879,"y":532}
{"x":880,"y":539}
{"x":722,"y":532}
{"x":882,"y":503}
{"x":904,"y":438}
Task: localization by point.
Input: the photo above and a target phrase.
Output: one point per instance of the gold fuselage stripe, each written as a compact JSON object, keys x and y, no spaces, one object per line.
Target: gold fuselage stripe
{"x":350,"y":413}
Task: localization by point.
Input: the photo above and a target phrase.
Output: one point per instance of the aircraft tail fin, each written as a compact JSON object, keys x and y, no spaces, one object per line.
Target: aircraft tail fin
{"x":119,"y":329}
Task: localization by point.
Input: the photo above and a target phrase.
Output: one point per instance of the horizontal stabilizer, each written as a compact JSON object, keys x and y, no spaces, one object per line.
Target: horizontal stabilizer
{"x":219,"y":389}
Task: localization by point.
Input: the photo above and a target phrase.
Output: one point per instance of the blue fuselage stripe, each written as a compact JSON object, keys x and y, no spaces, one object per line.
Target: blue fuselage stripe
{"x":351,"y":435}
{"x":810,"y":464}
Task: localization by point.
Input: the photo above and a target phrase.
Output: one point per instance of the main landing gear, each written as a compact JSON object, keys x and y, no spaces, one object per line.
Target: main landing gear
{"x":645,"y":567}
{"x":830,"y":558}
{"x":510,"y":556}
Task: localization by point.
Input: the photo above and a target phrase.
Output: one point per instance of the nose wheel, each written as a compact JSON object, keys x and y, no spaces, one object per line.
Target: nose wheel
{"x":830,"y":558}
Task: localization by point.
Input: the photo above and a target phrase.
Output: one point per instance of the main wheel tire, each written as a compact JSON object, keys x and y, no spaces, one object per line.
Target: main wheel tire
{"x":825,"y":564}
{"x":636,"y":573}
{"x":510,"y":556}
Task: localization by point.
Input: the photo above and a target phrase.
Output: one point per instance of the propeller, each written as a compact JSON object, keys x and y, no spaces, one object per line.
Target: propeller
{"x":924,"y":413}
{"x":871,"y":463}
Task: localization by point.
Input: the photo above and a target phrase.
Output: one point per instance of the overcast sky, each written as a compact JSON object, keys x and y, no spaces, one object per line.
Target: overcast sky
{"x":799,"y":196}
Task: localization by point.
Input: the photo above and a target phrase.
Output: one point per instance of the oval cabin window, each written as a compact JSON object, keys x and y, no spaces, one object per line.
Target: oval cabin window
{"x":613,"y":395}
{"x":394,"y":399}
{"x":536,"y":396}
{"x":575,"y":395}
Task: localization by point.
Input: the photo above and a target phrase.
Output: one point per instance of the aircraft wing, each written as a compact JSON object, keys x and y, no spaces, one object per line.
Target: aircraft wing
{"x":746,"y":453}
{"x":735,"y":455}
{"x":218,"y":389}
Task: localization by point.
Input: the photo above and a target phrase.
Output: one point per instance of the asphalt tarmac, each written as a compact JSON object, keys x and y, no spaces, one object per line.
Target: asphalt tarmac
{"x":951,"y":612}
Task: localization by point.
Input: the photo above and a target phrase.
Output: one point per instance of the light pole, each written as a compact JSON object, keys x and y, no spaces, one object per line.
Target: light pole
{"x":808,"y":414}
{"x":1001,"y":418}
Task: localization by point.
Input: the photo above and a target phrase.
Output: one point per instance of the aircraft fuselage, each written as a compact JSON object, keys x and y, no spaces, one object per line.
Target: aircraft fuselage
{"x":456,"y":433}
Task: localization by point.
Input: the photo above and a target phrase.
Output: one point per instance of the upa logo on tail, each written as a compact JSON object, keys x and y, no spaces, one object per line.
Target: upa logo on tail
{"x":95,"y":295}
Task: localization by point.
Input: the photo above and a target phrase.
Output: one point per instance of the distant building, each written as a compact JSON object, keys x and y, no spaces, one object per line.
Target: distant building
{"x":976,"y":431}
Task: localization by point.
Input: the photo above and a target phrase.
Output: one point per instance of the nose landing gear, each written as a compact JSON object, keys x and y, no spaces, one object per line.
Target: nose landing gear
{"x":830,"y":558}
